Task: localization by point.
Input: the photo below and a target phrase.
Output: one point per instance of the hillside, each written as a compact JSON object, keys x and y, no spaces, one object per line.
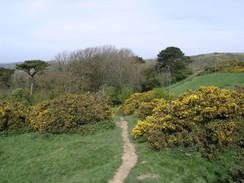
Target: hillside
{"x":203,"y":60}
{"x":9,"y":65}
{"x":223,"y":80}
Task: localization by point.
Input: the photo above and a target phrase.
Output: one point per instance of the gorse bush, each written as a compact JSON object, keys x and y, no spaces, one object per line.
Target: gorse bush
{"x":146,"y":108}
{"x":230,"y":66}
{"x":13,"y":116}
{"x":65,"y":113}
{"x":133,"y":102}
{"x":226,"y":66}
{"x":207,"y":119}
{"x":142,"y":104}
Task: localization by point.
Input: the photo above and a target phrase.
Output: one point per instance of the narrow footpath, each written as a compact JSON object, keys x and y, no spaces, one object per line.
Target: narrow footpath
{"x":129,"y":157}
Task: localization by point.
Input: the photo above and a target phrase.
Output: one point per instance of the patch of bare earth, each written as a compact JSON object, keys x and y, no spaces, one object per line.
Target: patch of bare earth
{"x":148,"y":176}
{"x":129,"y":157}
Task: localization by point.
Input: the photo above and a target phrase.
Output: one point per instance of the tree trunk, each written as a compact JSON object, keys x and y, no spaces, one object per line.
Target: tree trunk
{"x":31,"y":87}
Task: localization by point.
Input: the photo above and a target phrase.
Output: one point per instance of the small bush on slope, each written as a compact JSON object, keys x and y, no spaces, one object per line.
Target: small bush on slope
{"x":225,"y":66}
{"x":68,"y":112}
{"x":207,"y":119}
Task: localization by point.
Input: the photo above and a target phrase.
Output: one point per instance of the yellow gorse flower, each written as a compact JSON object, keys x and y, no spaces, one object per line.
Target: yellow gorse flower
{"x":190,"y":118}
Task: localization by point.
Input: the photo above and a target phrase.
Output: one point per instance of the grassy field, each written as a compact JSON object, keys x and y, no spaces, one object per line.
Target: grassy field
{"x":223,"y":80}
{"x":74,"y":158}
{"x":175,"y":166}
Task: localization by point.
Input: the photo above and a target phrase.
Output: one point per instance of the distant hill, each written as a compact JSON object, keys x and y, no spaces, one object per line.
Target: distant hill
{"x":203,"y":60}
{"x":9,"y":65}
{"x":199,"y":61}
{"x":12,"y":65}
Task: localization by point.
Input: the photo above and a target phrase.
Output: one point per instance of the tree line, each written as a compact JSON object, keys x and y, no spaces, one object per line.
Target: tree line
{"x":106,"y":69}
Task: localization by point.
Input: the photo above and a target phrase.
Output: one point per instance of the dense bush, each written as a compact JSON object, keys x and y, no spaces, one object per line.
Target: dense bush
{"x":67,"y":112}
{"x":117,"y":95}
{"x":20,"y":95}
{"x":132,"y":103}
{"x":181,"y":74}
{"x":13,"y":116}
{"x":42,"y":95}
{"x":240,"y":88}
{"x":146,"y":108}
{"x":142,"y":104}
{"x":230,"y":66}
{"x":207,"y":119}
{"x":150,"y":79}
{"x":225,"y":66}
{"x":162,"y":93}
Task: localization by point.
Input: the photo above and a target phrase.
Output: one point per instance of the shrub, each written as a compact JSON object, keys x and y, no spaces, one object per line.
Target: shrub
{"x":132,"y":103}
{"x":150,"y":79}
{"x":67,"y":112}
{"x":207,"y":119}
{"x":13,"y":116}
{"x":146,"y":108}
{"x":142,"y":104}
{"x":20,"y":95}
{"x":240,"y":88}
{"x":162,"y":93}
{"x":42,"y":95}
{"x":230,"y":66}
{"x":117,"y":95}
{"x":181,"y":73}
{"x":226,"y":66}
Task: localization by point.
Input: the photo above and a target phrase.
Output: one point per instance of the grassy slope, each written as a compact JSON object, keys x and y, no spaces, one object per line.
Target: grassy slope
{"x":223,"y":80}
{"x":200,"y":61}
{"x":33,"y":158}
{"x":175,"y":167}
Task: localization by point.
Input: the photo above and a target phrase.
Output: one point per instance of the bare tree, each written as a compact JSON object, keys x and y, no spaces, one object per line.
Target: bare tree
{"x":102,"y":66}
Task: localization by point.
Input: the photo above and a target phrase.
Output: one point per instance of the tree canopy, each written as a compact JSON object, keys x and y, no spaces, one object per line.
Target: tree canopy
{"x":32,"y":67}
{"x":172,"y":60}
{"x":172,"y":57}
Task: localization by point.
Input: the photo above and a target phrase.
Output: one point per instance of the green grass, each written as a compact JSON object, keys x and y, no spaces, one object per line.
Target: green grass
{"x":223,"y":80}
{"x":66,"y":158}
{"x":174,"y":166}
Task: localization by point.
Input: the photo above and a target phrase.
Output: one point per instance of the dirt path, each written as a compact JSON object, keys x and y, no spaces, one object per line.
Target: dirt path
{"x":129,"y":157}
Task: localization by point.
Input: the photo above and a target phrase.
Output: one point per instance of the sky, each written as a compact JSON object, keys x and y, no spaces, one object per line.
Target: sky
{"x":41,"y":29}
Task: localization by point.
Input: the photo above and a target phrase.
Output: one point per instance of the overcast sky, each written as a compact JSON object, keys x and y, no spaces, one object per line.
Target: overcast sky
{"x":40,"y":29}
